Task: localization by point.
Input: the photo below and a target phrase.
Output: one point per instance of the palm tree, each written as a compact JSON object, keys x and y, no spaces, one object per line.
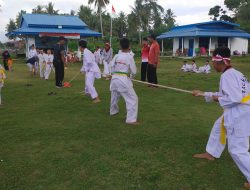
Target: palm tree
{"x":169,"y":18}
{"x":50,"y":9}
{"x":140,"y":16}
{"x":100,"y":4}
{"x":39,"y":9}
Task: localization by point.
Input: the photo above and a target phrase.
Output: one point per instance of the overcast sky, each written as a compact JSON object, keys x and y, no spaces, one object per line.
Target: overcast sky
{"x":187,"y":11}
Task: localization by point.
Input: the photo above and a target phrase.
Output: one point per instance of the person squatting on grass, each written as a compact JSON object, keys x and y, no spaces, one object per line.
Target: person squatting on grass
{"x":122,"y":65}
{"x":2,"y":78}
{"x":91,"y":70}
{"x":233,"y":95}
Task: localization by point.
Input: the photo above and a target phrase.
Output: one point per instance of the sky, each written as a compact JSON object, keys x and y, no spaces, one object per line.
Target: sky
{"x":186,"y":11}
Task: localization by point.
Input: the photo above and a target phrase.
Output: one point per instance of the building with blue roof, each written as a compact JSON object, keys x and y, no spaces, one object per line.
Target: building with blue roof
{"x":202,"y":38}
{"x":44,"y":29}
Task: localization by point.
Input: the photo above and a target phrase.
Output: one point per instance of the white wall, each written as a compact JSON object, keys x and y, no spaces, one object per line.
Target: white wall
{"x":240,"y":44}
{"x":175,"y":45}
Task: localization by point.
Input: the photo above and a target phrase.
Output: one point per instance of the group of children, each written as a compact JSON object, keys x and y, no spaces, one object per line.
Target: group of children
{"x":119,"y":69}
{"x":233,"y":96}
{"x":206,"y":69}
{"x":39,"y":61}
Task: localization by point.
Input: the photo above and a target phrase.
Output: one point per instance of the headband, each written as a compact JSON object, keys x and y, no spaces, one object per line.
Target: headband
{"x":219,"y":58}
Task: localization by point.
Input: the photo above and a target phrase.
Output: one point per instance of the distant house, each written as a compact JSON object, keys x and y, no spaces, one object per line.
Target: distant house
{"x":203,"y":38}
{"x":44,"y":29}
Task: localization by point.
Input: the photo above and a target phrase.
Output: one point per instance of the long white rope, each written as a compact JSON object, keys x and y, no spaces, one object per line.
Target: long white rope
{"x":162,"y":86}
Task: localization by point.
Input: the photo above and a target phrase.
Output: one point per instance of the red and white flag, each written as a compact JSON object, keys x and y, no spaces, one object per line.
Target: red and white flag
{"x":113,"y":10}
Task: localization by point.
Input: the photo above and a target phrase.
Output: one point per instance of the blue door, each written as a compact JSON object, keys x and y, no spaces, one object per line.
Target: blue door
{"x":191,"y":48}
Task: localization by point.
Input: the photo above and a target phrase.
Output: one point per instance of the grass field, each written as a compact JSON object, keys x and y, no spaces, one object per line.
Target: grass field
{"x":65,"y":142}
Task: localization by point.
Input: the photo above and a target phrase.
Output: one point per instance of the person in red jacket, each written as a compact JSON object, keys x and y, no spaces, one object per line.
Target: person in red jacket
{"x":144,"y":59}
{"x":153,"y":59}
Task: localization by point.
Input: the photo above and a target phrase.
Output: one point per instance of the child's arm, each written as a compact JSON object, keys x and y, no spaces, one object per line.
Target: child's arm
{"x":209,"y":96}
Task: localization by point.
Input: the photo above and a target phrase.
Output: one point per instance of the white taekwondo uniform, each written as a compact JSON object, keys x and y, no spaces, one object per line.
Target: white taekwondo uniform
{"x":49,"y":65}
{"x":92,"y":71}
{"x":234,"y":93}
{"x":42,"y":64}
{"x":97,"y":55}
{"x":122,"y":65}
{"x":107,"y":58}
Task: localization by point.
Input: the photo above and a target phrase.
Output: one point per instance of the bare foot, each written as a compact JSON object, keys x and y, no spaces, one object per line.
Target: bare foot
{"x":247,"y":185}
{"x":204,"y":156}
{"x":114,"y":114}
{"x":97,"y":100}
{"x":133,"y":123}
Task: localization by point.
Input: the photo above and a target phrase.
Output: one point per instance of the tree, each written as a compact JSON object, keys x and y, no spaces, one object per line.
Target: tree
{"x":11,"y":26}
{"x":243,"y":16}
{"x":72,"y":13}
{"x":49,"y":9}
{"x":169,"y":18}
{"x":19,"y":17}
{"x":155,"y":11}
{"x":215,"y":12}
{"x":39,"y":9}
{"x":218,"y":13}
{"x":120,"y":25}
{"x":88,"y":16}
{"x":100,"y":4}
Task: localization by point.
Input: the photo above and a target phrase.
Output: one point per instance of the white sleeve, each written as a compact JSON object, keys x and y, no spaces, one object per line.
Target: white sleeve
{"x":209,"y":96}
{"x":132,"y":66}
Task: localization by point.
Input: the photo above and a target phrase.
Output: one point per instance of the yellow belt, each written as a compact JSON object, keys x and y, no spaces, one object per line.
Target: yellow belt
{"x":2,"y":73}
{"x":223,"y":129}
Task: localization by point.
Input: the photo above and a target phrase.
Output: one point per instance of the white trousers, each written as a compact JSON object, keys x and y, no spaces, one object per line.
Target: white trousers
{"x":42,"y":69}
{"x":131,"y":100}
{"x":89,"y":85}
{"x":48,"y":69}
{"x":238,"y":147}
{"x":214,"y":147}
{"x":107,"y":69}
{"x":30,"y":67}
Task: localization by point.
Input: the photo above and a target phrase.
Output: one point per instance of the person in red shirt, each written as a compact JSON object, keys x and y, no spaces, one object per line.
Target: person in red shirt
{"x":153,"y":59}
{"x":144,"y":59}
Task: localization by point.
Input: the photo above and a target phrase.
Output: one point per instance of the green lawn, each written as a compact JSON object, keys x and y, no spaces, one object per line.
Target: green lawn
{"x":65,"y":142}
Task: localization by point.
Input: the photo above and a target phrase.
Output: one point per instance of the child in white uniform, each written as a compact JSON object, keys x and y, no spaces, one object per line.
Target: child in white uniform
{"x":234,"y":98}
{"x":97,"y":55}
{"x":107,"y":58}
{"x":49,"y":64}
{"x":91,"y":70}
{"x":206,"y":69}
{"x":2,"y":78}
{"x":42,"y":63}
{"x":184,"y":66}
{"x":32,"y":54}
{"x":122,"y":65}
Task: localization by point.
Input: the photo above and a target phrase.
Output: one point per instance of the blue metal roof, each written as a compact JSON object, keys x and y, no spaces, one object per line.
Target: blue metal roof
{"x":52,"y":20}
{"x":35,"y":24}
{"x":206,"y":29}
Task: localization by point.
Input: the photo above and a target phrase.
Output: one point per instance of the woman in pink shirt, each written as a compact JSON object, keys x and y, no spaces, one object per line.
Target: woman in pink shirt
{"x":144,"y":57}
